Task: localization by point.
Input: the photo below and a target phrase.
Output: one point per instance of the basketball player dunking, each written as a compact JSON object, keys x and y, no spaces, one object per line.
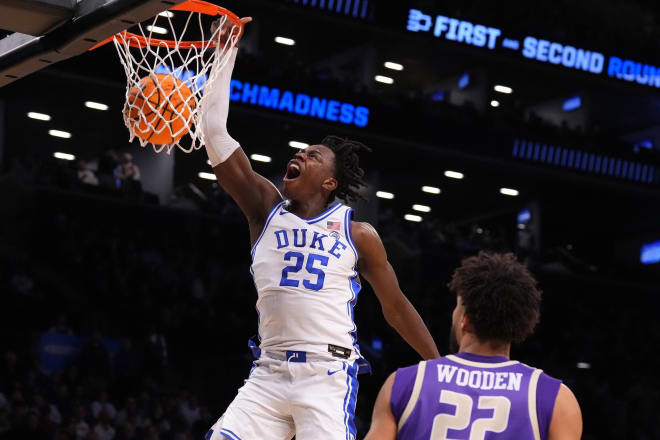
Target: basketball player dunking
{"x":306,"y":253}
{"x":479,"y":393}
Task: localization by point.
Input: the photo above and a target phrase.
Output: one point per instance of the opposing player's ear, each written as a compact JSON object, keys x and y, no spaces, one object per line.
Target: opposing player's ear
{"x":330,"y":184}
{"x":465,"y":323}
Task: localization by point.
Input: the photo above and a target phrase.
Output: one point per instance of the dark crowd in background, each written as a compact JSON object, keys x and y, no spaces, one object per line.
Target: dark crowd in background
{"x":171,"y":288}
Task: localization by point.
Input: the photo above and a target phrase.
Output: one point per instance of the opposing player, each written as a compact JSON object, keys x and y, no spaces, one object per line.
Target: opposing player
{"x":306,"y":254}
{"x":478,"y":393}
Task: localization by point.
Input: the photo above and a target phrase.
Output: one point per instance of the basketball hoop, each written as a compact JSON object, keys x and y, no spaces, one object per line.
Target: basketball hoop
{"x":194,"y":64}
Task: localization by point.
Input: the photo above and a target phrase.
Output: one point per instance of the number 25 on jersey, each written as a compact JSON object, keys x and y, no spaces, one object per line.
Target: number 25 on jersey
{"x":314,"y":262}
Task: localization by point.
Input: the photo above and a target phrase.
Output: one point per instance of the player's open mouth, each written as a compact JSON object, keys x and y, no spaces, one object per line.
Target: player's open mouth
{"x":292,"y":171}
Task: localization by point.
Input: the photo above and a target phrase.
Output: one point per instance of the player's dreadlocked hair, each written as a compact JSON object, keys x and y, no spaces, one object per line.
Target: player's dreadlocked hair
{"x":348,"y":173}
{"x":500,"y":296}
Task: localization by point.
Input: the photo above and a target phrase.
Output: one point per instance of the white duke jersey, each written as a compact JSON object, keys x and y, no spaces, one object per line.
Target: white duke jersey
{"x":305,"y":272}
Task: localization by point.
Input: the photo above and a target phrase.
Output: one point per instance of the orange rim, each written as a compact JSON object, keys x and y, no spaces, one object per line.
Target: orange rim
{"x":202,"y":7}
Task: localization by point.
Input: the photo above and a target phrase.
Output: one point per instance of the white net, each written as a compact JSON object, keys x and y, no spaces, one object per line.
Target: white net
{"x":166,"y":78}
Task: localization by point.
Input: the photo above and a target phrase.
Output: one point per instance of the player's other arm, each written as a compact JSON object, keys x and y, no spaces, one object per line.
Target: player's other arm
{"x":398,"y":311}
{"x":254,"y":194}
{"x":383,"y":425}
{"x":566,"y":423}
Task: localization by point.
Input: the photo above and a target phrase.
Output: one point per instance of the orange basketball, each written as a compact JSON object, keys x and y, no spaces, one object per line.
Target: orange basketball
{"x":158,"y":109}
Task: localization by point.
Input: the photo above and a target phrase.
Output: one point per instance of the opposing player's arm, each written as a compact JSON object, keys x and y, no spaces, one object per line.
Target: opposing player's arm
{"x":254,"y":194}
{"x":566,"y":423}
{"x":398,"y":311}
{"x":383,"y":425}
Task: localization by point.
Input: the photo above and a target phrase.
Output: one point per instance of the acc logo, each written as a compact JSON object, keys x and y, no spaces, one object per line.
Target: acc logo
{"x":335,"y":235}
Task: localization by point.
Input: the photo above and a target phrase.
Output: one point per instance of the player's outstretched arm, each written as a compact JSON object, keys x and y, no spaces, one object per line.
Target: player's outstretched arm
{"x":383,"y":425}
{"x":254,"y":194}
{"x":566,"y":423}
{"x":398,"y":311}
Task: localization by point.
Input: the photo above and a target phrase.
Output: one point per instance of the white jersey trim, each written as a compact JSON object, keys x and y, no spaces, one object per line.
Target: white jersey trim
{"x":531,"y":401}
{"x":414,"y":396}
{"x":263,"y":230}
{"x":349,"y":233}
{"x":459,"y":360}
{"x":334,"y":207}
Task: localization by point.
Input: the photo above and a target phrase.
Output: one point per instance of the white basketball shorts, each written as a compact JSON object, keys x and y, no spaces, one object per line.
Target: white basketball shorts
{"x":312,"y":400}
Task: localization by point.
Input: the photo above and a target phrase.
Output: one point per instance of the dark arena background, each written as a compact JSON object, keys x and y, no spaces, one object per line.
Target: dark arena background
{"x":126,"y":304}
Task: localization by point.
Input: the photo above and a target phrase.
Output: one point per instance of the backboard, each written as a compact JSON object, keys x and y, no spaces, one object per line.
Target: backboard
{"x":43,"y":32}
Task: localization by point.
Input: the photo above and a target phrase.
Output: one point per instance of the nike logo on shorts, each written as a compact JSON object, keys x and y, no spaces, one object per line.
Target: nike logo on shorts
{"x":330,"y":373}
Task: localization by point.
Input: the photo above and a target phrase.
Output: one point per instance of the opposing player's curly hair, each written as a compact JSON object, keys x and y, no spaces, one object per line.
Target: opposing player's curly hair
{"x":349,"y":175}
{"x":500,"y":296}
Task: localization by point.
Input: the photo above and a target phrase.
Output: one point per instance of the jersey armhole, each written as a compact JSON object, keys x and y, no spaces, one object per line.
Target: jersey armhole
{"x":547,"y":389}
{"x":271,"y":214}
{"x":348,"y":232}
{"x":414,"y":395}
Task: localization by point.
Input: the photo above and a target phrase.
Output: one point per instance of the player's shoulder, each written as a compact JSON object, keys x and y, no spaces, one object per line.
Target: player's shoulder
{"x":401,"y":384}
{"x":406,"y":375}
{"x":363,"y":234}
{"x":363,"y":228}
{"x":542,"y":374}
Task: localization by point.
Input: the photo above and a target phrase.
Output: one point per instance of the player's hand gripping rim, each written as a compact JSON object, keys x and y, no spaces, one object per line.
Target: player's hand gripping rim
{"x":226,"y":30}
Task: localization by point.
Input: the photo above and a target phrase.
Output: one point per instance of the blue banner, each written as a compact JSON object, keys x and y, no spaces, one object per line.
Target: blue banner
{"x":533,"y":48}
{"x":57,"y":351}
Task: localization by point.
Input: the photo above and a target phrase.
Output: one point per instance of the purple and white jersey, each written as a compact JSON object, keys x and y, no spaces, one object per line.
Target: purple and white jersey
{"x":467,"y":396}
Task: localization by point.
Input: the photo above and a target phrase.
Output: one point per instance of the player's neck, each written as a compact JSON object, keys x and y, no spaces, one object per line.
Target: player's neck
{"x":474,"y":346}
{"x":309,"y":208}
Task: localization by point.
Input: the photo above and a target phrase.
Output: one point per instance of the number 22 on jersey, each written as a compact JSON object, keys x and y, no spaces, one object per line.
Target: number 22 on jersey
{"x":460,"y":420}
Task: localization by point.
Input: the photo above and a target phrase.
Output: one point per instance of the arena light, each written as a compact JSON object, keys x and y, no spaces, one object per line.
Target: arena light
{"x":96,"y":105}
{"x":583,"y":365}
{"x":422,"y":208}
{"x":384,"y":195}
{"x":298,"y":145}
{"x":494,"y":103}
{"x":285,"y":41}
{"x":39,"y":116}
{"x":59,"y":134}
{"x":167,"y":14}
{"x":393,"y":66}
{"x":260,"y":158}
{"x":431,"y":189}
{"x":156,"y":29}
{"x":454,"y":174}
{"x":384,"y":79}
{"x":207,"y":176}
{"x":64,"y":156}
{"x":503,"y":89}
{"x":509,"y":192}
{"x":412,"y":218}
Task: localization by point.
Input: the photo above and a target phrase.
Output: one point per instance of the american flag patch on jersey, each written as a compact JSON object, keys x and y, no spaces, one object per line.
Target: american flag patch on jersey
{"x":334,"y":226}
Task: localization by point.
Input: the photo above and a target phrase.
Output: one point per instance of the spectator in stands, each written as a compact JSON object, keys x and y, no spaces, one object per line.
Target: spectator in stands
{"x":5,"y":425}
{"x":79,"y":426}
{"x":102,"y":405}
{"x":94,"y":358}
{"x":190,"y":409}
{"x":130,"y":415}
{"x":106,"y":169}
{"x":127,"y":367}
{"x":103,"y":430}
{"x":128,"y":173}
{"x":86,"y":175}
{"x":61,"y":326}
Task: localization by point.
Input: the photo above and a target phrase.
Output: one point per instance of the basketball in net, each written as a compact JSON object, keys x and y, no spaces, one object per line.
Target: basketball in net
{"x":166,"y":79}
{"x":160,"y":108}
